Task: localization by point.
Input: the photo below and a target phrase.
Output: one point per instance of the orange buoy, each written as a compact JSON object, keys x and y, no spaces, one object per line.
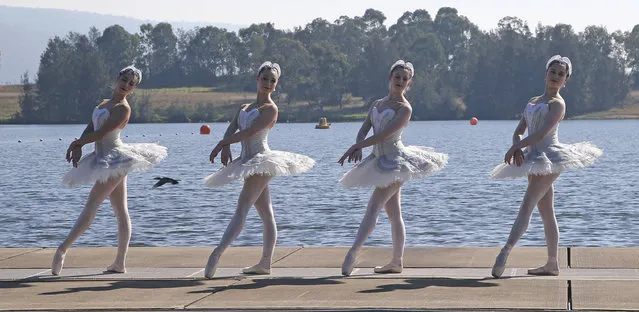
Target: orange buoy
{"x":473,"y":121}
{"x":205,"y":129}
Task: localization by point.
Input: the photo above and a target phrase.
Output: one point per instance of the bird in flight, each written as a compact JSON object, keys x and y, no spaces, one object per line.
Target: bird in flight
{"x":164,"y":180}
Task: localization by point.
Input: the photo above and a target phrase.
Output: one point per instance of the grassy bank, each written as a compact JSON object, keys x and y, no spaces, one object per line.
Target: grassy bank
{"x":9,"y":96}
{"x":202,"y":104}
{"x":629,"y":111}
{"x":206,"y":104}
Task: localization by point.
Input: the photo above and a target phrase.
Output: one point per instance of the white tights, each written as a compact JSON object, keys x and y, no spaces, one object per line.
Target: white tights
{"x":254,"y":193}
{"x":540,"y":193}
{"x":390,"y":198}
{"x":115,"y":189}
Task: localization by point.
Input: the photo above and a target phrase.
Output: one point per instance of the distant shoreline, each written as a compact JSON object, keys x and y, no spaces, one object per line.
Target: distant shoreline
{"x":199,"y":103}
{"x":5,"y":123}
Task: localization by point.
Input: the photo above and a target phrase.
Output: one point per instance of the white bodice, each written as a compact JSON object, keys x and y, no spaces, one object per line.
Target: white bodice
{"x":111,"y":139}
{"x":535,"y":115}
{"x":256,"y":144}
{"x":393,"y":143}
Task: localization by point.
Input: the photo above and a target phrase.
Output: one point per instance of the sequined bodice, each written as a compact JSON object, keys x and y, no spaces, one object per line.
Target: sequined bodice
{"x":111,"y":139}
{"x":535,"y":115}
{"x":393,"y":143}
{"x":256,"y":144}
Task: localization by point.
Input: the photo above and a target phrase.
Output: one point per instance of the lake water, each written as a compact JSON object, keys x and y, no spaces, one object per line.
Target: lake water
{"x":460,"y":206}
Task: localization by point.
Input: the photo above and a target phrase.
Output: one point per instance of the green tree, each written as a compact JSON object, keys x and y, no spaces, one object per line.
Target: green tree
{"x":159,"y":54}
{"x":631,"y":45}
{"x":27,"y":101}
{"x":120,"y":48}
{"x":294,"y":59}
{"x":328,"y":74}
{"x":72,"y":79}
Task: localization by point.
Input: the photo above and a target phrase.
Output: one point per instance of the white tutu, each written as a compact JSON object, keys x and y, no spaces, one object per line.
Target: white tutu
{"x":412,"y":162}
{"x":547,"y":156}
{"x":257,"y":158}
{"x":271,"y":163}
{"x":112,"y":158}
{"x":391,"y":161}
{"x":557,"y":158}
{"x":115,"y":163}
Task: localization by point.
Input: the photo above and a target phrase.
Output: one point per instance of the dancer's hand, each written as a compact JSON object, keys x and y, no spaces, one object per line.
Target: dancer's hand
{"x":227,"y":158}
{"x":74,"y":152}
{"x":519,"y":157}
{"x":357,"y":155}
{"x":73,"y":155}
{"x":350,"y":154}
{"x":76,"y":155}
{"x":216,"y":150}
{"x":69,"y":150}
{"x":510,"y":154}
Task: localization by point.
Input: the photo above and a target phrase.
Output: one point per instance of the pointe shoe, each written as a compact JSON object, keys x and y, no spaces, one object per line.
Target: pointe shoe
{"x":389,"y":268}
{"x":115,"y":268}
{"x":257,"y":270}
{"x":349,"y":264}
{"x":58,"y":262}
{"x":546,"y":270}
{"x":500,"y":263}
{"x":211,"y":265}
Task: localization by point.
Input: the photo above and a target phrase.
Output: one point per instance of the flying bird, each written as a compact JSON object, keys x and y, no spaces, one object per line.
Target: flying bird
{"x":164,"y":180}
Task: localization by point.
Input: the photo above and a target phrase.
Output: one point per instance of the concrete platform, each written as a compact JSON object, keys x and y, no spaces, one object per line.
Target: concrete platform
{"x":153,"y":257}
{"x":7,"y":253}
{"x":126,"y":294}
{"x":604,"y":258}
{"x":417,"y":293}
{"x":420,"y":257}
{"x":434,"y":278}
{"x":605,"y":295}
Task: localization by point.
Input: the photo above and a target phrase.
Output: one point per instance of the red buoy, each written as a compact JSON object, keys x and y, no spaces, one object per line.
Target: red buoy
{"x":205,"y":129}
{"x":473,"y":121}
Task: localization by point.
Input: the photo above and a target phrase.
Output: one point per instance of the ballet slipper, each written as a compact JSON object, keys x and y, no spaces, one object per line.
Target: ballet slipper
{"x":349,"y":263}
{"x":211,"y":265}
{"x":500,"y":262}
{"x":257,"y":269}
{"x":116,"y":268}
{"x":58,"y":262}
{"x":389,"y":268}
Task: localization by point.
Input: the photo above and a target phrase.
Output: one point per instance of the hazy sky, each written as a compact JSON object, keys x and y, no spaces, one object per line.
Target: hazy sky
{"x":286,"y":14}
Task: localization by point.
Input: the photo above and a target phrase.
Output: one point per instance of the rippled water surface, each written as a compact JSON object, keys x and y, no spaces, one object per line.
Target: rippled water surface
{"x":460,"y":206}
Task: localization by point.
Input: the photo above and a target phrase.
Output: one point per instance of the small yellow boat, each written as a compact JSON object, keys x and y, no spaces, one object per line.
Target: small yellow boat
{"x":323,"y":124}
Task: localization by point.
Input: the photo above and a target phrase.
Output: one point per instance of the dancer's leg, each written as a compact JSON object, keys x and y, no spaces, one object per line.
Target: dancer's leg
{"x":538,"y":185}
{"x":120,"y":207}
{"x":97,"y":195}
{"x":253,"y":187}
{"x":551,"y":229}
{"x":378,"y":200}
{"x":394,"y":212}
{"x":265,"y":210}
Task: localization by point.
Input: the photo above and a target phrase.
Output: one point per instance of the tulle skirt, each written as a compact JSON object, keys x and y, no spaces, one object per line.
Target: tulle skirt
{"x":115,"y":163}
{"x":271,"y":163}
{"x":411,"y":162}
{"x":553,"y":159}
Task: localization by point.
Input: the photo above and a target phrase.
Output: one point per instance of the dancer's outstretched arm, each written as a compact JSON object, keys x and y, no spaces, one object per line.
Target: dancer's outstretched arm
{"x":74,"y":153}
{"x":361,"y":136}
{"x":227,"y":157}
{"x":517,"y":135}
{"x":552,"y":118}
{"x":119,"y":114}
{"x":266,"y":119}
{"x":401,"y":119}
{"x":520,"y":130}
